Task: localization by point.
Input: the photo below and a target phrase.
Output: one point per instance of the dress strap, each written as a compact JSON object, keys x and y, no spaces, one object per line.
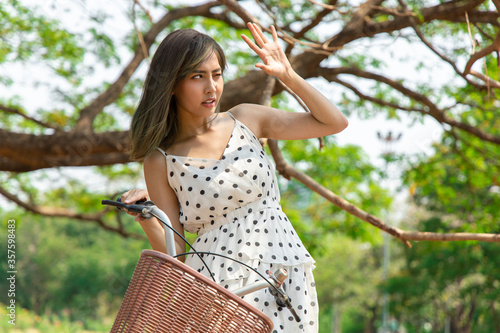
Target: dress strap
{"x":229,"y":113}
{"x":161,"y":151}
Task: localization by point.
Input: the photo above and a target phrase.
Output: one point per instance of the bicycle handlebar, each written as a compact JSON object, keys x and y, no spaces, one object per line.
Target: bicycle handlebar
{"x":148,"y":209}
{"x":136,"y":207}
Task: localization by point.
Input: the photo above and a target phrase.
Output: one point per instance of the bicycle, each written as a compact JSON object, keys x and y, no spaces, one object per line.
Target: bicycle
{"x":165,"y":295}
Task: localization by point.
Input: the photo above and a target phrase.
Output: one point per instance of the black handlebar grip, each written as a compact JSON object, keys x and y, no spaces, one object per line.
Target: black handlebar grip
{"x":118,"y":204}
{"x":136,"y":207}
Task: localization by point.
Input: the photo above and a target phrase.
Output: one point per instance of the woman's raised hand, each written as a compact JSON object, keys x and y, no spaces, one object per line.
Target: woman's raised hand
{"x":274,"y":59}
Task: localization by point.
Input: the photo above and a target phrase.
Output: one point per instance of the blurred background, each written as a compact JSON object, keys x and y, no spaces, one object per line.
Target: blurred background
{"x":418,"y":81}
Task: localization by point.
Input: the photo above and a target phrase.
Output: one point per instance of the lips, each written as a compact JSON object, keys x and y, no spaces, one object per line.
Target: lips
{"x":209,"y":101}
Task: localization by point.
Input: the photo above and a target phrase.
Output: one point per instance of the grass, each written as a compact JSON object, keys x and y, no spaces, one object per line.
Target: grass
{"x":30,"y":322}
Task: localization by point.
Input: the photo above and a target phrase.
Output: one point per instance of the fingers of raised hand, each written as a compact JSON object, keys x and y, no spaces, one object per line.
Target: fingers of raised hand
{"x":257,"y":34}
{"x":274,"y":33}
{"x":251,"y":44}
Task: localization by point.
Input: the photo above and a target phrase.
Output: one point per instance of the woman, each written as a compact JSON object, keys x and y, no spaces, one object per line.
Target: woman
{"x":207,"y":171}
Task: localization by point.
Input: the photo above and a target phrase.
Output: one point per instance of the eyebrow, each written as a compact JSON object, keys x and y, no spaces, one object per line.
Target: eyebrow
{"x":202,"y":72}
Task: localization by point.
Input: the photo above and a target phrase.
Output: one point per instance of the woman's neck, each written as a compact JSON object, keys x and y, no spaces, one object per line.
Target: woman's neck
{"x":194,"y":126}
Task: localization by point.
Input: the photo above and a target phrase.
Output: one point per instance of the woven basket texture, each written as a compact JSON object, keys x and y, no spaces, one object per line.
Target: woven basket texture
{"x":165,"y":295}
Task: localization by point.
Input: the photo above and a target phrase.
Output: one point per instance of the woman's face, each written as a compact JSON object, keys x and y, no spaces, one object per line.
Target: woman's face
{"x":199,"y":93}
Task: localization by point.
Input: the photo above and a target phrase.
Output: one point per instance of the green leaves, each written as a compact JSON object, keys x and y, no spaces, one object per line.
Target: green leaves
{"x":344,"y":170}
{"x":447,"y":280}
{"x":460,"y":180}
{"x":32,"y":36}
{"x":72,"y":269}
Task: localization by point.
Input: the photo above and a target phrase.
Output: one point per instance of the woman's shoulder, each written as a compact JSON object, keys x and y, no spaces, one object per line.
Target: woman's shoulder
{"x":241,"y":110}
{"x":155,"y":160}
{"x":249,"y":115}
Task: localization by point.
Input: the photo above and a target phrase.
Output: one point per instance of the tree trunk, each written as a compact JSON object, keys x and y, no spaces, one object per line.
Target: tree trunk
{"x":496,"y":317}
{"x":336,"y":318}
{"x":370,"y":322}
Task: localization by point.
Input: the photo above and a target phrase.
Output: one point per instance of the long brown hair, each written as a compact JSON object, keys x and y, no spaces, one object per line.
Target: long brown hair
{"x":155,"y":122}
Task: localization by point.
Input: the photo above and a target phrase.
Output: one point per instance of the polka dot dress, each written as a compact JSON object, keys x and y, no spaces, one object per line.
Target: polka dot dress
{"x":232,"y":204}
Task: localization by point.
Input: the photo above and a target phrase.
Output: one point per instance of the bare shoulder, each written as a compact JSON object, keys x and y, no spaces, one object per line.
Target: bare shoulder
{"x":252,"y":115}
{"x":155,"y":162}
{"x":155,"y":175}
{"x":242,"y":112}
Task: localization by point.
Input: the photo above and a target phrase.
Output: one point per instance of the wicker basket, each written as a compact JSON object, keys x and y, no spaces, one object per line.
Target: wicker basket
{"x":166,"y":295}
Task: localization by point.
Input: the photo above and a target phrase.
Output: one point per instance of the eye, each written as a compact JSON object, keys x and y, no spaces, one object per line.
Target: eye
{"x":197,"y":76}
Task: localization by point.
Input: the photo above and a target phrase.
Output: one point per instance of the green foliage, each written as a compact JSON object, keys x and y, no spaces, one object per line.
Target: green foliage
{"x":105,"y":48}
{"x":458,"y":186}
{"x":71,"y":269}
{"x":12,"y":121}
{"x":288,"y":12}
{"x":32,"y":36}
{"x":456,"y":280}
{"x":342,"y":263}
{"x":127,"y":101}
{"x":348,"y":279}
{"x":461,"y":181}
{"x":344,"y":170}
{"x":120,"y":172}
{"x":30,"y":321}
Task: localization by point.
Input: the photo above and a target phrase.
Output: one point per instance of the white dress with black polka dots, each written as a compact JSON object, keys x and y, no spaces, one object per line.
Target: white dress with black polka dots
{"x":233,"y":205}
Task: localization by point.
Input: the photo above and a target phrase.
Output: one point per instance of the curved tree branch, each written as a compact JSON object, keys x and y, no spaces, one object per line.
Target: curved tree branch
{"x":235,"y":7}
{"x":63,"y":212}
{"x":486,"y":79}
{"x":459,"y":236}
{"x":452,"y":11}
{"x":319,"y":18}
{"x":31,"y":152}
{"x":36,"y":121}
{"x":361,"y":25}
{"x":373,"y":99}
{"x":433,"y":110}
{"x":289,"y":171}
{"x":439,"y":54}
{"x":356,"y":28}
{"x":224,"y":17}
{"x":493,"y":47}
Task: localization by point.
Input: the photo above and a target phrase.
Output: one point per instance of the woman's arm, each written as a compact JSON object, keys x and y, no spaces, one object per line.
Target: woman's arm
{"x":160,"y":192}
{"x":324,"y":117}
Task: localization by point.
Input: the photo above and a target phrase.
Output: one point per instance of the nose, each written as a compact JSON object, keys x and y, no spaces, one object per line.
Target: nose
{"x":211,"y":86}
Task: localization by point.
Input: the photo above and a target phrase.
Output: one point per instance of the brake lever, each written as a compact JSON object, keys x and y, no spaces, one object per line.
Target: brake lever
{"x":279,"y":293}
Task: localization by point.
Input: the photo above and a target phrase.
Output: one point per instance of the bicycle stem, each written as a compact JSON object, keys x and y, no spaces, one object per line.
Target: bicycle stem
{"x":278,"y":278}
{"x":250,"y":288}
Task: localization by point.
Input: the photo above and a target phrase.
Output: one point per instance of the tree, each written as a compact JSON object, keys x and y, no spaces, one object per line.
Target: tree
{"x":322,"y":39}
{"x":452,"y":283}
{"x":342,"y":283}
